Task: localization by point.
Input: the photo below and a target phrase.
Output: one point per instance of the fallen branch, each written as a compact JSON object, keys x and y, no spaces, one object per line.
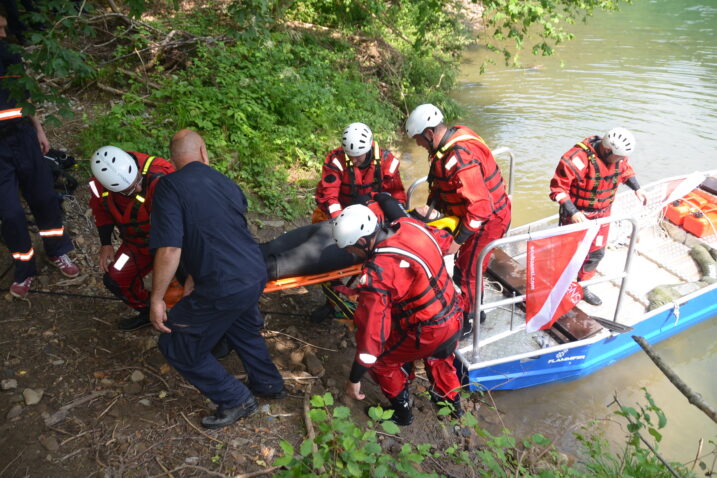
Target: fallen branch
{"x":61,"y":414}
{"x":693,"y":397}
{"x":197,"y":429}
{"x":258,"y":473}
{"x":115,"y":91}
{"x":11,"y":462}
{"x":309,"y":423}
{"x":164,"y":468}
{"x":299,"y":340}
{"x":140,"y":77}
{"x":160,"y":49}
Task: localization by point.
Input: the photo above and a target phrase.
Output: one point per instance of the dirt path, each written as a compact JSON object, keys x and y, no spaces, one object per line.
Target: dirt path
{"x":108,"y":404}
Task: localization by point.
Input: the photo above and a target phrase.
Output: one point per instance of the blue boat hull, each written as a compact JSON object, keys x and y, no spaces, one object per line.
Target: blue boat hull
{"x":582,"y":360}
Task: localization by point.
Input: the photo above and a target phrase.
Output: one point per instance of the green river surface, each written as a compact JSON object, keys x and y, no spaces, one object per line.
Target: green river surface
{"x":652,"y":68}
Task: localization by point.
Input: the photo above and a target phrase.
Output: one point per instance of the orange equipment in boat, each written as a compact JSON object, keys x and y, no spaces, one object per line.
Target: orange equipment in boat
{"x":703,"y":222}
{"x":679,"y":209}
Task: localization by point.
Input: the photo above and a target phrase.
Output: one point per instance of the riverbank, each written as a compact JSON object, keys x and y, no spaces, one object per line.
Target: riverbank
{"x":271,"y":102}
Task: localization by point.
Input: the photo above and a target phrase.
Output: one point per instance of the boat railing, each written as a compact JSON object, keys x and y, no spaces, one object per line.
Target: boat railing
{"x":552,"y":232}
{"x":502,"y":151}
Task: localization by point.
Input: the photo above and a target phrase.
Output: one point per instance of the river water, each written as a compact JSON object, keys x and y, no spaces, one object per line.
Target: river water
{"x":651,"y":68}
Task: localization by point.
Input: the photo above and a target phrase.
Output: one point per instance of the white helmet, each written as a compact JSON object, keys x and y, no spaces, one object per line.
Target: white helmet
{"x":620,"y":141}
{"x":357,"y":139}
{"x":354,"y":222}
{"x":424,"y":116}
{"x":114,"y":168}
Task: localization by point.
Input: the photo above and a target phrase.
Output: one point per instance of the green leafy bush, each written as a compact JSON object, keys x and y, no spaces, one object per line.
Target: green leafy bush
{"x":638,"y":456}
{"x":263,"y":105}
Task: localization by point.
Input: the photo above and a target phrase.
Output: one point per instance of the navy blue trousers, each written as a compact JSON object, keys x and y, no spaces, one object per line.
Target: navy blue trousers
{"x":197,"y":325}
{"x":23,"y":169}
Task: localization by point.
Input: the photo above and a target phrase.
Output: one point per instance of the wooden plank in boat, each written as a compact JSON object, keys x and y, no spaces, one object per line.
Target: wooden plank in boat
{"x":575,"y":325}
{"x":508,"y":272}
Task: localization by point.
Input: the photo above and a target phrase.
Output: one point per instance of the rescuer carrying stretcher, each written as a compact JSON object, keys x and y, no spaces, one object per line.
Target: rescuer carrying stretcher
{"x":407,"y":308}
{"x":122,"y":192}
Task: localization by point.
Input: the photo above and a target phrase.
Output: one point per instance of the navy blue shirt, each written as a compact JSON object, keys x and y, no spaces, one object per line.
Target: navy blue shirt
{"x":202,"y":211}
{"x":7,"y":59}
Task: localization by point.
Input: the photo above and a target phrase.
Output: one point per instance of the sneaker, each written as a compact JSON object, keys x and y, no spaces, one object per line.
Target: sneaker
{"x":590,"y":297}
{"x":20,"y":289}
{"x":66,"y":266}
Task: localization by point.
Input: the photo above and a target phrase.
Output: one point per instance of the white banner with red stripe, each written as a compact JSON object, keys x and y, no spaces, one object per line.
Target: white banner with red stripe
{"x":553,"y":264}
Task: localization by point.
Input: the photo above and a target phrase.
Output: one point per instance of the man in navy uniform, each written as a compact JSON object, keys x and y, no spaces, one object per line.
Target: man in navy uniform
{"x":198,"y":219}
{"x":23,"y":168}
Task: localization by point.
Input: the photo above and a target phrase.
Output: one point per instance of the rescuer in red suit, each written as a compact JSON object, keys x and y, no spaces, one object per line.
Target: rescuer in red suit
{"x":122,"y":192}
{"x":358,"y":169}
{"x":407,"y":308}
{"x":464,"y":181}
{"x":585,"y":183}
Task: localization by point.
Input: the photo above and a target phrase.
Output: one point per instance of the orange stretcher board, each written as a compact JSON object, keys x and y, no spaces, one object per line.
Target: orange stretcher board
{"x":298,"y":281}
{"x":448,"y":222}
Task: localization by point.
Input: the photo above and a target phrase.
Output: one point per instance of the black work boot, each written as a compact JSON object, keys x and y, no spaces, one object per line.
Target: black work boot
{"x":137,"y":322}
{"x":401,"y":409}
{"x":590,"y":297}
{"x":226,"y":416}
{"x":455,"y":404}
{"x":322,"y":313}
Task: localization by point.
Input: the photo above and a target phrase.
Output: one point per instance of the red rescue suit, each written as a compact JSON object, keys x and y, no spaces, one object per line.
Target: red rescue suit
{"x":583,"y":182}
{"x":465,"y":181}
{"x":130,"y":214}
{"x":343,"y":182}
{"x":407,"y":309}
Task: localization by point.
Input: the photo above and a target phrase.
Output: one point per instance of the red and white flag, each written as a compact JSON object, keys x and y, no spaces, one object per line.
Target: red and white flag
{"x":553,"y":264}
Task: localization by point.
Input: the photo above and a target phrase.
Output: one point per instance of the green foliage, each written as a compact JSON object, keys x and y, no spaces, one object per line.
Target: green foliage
{"x":510,"y":23}
{"x":49,"y":56}
{"x":264,"y":105}
{"x":270,"y":97}
{"x":635,"y":459}
{"x":342,"y":448}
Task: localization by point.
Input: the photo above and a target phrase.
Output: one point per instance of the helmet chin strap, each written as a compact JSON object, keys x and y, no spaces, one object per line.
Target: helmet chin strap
{"x":368,"y":242}
{"x":431,"y":149}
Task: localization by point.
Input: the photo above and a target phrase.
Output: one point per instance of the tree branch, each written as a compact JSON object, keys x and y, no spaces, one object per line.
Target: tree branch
{"x":693,"y":397}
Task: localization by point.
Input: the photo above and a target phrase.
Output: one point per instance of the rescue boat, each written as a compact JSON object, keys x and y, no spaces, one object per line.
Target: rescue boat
{"x":649,"y":281}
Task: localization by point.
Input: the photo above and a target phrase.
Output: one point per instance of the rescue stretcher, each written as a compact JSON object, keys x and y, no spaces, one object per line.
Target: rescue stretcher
{"x":175,"y":290}
{"x":447,"y":222}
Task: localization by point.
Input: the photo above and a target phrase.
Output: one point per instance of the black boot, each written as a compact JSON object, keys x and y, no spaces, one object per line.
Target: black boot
{"x":137,"y":322}
{"x":401,"y":409}
{"x":455,"y":404}
{"x":226,"y":416}
{"x":322,"y":313}
{"x":590,"y":297}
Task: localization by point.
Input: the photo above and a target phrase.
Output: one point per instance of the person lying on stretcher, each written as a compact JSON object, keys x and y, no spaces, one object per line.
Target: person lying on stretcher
{"x":311,"y":249}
